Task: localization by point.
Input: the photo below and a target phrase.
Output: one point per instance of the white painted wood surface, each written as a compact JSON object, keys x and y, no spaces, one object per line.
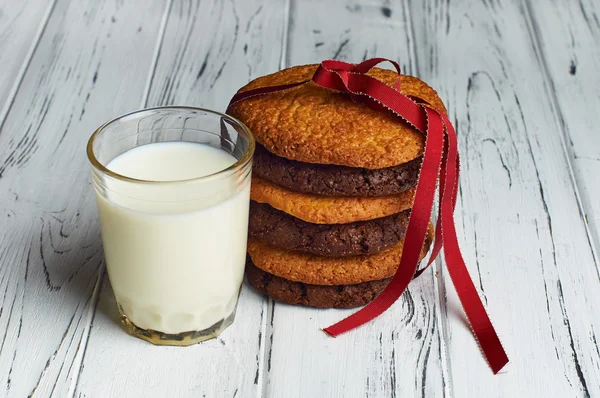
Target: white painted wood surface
{"x":21,"y":24}
{"x":524,"y":236}
{"x":568,"y":35}
{"x":518,"y":77}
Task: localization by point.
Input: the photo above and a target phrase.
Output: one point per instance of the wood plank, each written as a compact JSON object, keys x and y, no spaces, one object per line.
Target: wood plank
{"x":568,"y":36}
{"x":209,"y":50}
{"x":523,"y":236}
{"x":399,"y":354}
{"x":90,"y":65}
{"x":21,"y":26}
{"x":212,"y":48}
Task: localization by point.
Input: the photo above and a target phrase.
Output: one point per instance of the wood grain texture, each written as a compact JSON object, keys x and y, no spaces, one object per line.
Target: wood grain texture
{"x":400,"y":354}
{"x":21,"y":26}
{"x":520,"y":80}
{"x":50,"y":250}
{"x":212,"y":48}
{"x":523,"y":237}
{"x":568,"y":38}
{"x":209,"y":50}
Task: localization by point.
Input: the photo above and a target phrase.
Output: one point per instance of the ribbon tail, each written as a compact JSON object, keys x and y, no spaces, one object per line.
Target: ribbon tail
{"x":479,"y":320}
{"x":438,"y":241}
{"x":415,"y":233}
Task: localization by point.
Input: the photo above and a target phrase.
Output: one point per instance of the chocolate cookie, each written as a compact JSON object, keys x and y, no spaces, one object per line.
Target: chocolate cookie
{"x":341,"y":296}
{"x":319,"y":270}
{"x":312,"y":124}
{"x":279,"y":229}
{"x":332,"y":180}
{"x":329,"y":209}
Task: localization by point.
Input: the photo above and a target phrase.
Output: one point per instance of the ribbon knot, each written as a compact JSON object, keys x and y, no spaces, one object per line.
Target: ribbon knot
{"x":440,"y":162}
{"x":348,"y":78}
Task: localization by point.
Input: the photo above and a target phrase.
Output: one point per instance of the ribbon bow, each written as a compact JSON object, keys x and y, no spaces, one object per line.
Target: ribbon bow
{"x":440,"y":159}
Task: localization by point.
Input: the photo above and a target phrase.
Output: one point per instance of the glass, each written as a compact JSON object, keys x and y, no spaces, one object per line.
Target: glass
{"x":175,"y":250}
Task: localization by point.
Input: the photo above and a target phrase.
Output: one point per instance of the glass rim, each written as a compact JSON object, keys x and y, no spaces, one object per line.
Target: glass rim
{"x":236,"y":166}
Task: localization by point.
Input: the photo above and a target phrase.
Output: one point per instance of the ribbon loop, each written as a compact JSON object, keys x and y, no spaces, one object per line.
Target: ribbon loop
{"x":440,"y":163}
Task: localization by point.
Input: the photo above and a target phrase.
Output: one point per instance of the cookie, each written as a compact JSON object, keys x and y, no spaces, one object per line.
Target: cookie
{"x":318,"y":270}
{"x":279,"y":229}
{"x":312,"y":124}
{"x":328,"y":209}
{"x":330,"y":180}
{"x":340,"y":296}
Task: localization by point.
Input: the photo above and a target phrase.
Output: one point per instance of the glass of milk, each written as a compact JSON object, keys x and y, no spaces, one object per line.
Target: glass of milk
{"x":173,"y":188}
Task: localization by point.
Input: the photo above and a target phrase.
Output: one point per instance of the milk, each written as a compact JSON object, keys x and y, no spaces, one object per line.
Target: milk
{"x":175,"y":251}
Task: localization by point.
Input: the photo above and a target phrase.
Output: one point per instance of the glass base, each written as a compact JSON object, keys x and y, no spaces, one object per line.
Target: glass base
{"x":178,"y":339}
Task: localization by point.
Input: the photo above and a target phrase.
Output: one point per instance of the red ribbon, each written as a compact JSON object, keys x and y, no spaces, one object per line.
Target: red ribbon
{"x":440,"y":159}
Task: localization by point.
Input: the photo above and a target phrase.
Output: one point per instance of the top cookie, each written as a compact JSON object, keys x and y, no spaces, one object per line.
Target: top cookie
{"x":316,"y":125}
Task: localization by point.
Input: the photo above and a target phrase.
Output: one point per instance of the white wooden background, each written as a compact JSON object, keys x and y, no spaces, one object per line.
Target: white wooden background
{"x":521,"y":81}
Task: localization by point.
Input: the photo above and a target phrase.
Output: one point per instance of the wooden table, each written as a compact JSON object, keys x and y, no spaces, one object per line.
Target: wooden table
{"x":521,"y":81}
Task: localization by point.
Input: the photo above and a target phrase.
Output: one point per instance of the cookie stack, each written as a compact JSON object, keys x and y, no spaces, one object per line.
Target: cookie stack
{"x":333,"y":183}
